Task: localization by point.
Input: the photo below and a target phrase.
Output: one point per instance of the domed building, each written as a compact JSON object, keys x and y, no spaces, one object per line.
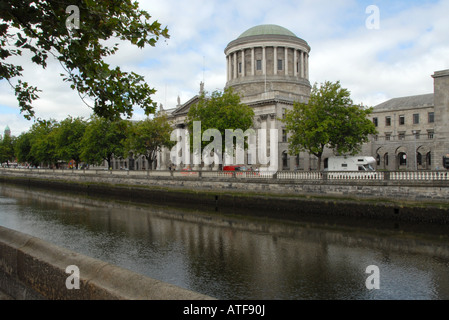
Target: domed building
{"x":268,"y":65}
{"x":268,"y":58}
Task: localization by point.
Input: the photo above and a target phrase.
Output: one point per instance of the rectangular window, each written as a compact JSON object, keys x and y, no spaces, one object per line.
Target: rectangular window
{"x":431,"y":117}
{"x":417,"y":134}
{"x":401,"y":136}
{"x":387,"y":136}
{"x":401,"y":120}
{"x":284,"y":135}
{"x":259,"y":64}
{"x":375,"y":122}
{"x":416,"y":118}
{"x":430,"y":135}
{"x":279,"y":64}
{"x":387,"y":121}
{"x":240,"y":67}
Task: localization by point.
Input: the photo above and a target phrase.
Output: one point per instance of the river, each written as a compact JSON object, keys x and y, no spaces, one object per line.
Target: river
{"x":227,"y":256}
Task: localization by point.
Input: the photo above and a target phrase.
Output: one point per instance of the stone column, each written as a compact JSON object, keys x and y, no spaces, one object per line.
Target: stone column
{"x":306,"y":65}
{"x":286,"y":61}
{"x":253,"y":72}
{"x":264,"y":61}
{"x":158,"y":161}
{"x":235,"y":65}
{"x":230,"y":67}
{"x":273,"y":125}
{"x":164,"y":159}
{"x":263,"y":142}
{"x":302,"y":64}
{"x":227,"y":68}
{"x":243,"y":62}
{"x":295,"y":62}
{"x":275,"y":62}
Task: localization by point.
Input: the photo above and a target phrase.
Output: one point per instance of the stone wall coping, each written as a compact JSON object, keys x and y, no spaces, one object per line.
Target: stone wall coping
{"x":34,"y":268}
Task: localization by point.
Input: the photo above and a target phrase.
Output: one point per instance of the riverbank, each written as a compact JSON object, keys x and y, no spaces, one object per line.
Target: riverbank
{"x":137,"y":237}
{"x":423,"y":202}
{"x":34,"y":269}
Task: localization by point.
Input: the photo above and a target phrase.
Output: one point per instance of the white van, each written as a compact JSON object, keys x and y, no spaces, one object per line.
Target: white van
{"x":350,"y":164}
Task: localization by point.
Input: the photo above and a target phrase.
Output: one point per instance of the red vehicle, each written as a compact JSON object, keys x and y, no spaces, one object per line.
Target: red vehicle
{"x":238,"y":169}
{"x":189,"y":172}
{"x":235,"y":168}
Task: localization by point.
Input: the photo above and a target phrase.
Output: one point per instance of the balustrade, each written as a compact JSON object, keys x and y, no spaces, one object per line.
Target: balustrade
{"x":280,"y":175}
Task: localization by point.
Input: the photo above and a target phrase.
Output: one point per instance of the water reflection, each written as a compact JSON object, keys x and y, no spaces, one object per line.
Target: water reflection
{"x":231,"y":258}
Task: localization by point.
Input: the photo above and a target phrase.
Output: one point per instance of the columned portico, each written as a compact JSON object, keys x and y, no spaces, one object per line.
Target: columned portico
{"x":278,"y":62}
{"x":237,"y":61}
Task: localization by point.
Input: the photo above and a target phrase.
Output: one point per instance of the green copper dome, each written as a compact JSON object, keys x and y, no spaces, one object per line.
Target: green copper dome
{"x":266,"y":29}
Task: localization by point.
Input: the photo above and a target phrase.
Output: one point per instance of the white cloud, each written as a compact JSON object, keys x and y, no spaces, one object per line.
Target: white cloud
{"x":374,"y":65}
{"x":396,"y":60}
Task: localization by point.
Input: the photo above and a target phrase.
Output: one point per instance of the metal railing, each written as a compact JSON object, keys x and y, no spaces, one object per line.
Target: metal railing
{"x":279,"y":175}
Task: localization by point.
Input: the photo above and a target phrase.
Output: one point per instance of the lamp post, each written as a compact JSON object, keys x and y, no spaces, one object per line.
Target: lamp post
{"x":416,"y":153}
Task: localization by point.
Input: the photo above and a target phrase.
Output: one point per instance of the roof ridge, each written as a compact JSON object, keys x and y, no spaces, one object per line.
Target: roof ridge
{"x":406,"y":102}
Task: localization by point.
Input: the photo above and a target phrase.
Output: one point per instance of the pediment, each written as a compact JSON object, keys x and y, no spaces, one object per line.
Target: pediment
{"x":185,"y":107}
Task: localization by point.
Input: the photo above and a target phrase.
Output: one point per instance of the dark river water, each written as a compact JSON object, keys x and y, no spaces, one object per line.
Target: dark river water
{"x":228,"y":257}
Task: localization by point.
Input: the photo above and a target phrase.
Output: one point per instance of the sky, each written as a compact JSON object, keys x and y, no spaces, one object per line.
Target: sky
{"x":378,"y":50}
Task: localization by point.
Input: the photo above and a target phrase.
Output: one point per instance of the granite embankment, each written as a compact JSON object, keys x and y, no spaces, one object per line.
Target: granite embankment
{"x":398,"y":200}
{"x":33,"y":269}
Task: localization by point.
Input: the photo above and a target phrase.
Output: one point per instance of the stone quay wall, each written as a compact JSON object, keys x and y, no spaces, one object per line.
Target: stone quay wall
{"x":407,"y":186}
{"x":289,"y":198}
{"x":33,"y":269}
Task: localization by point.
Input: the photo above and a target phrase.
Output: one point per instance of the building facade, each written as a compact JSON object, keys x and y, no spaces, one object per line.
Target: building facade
{"x":412,"y":131}
{"x":268,"y":66}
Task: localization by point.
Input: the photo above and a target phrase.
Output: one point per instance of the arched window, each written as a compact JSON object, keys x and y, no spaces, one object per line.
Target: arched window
{"x":297,"y":162}
{"x":419,"y":159}
{"x":402,"y":159}
{"x":429,"y":159}
{"x":285,"y":160}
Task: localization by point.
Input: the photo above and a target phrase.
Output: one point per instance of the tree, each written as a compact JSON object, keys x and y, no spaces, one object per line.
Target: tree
{"x":103,"y":139}
{"x":42,"y":142}
{"x":75,"y":33}
{"x":22,"y":149}
{"x":149,"y":136}
{"x":329,"y":119}
{"x":7,"y":149}
{"x":221,"y":111}
{"x":68,"y":136}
